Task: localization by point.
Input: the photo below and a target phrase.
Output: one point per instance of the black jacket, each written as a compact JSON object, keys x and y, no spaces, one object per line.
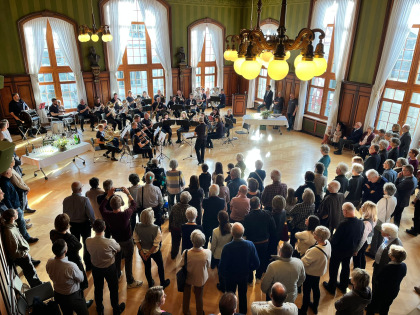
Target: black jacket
{"x":383,"y":154}
{"x":372,"y":162}
{"x":347,"y":236}
{"x":393,"y":154}
{"x":355,"y":135}
{"x":405,"y":187}
{"x":268,"y":98}
{"x":405,"y":144}
{"x":389,"y":279}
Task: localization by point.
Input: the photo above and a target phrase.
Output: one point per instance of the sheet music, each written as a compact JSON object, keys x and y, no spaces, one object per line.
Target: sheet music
{"x":125,"y":131}
{"x":162,"y":136}
{"x":156,"y":131}
{"x":188,"y":135}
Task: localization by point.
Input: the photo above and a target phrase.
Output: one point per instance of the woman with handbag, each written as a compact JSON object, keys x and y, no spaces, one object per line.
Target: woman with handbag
{"x":198,"y":262}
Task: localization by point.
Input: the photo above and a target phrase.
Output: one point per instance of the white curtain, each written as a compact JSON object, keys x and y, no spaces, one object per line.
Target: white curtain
{"x":319,"y":20}
{"x":35,"y":32}
{"x":216,"y":35}
{"x":63,"y":32}
{"x":197,"y":41}
{"x":156,"y":21}
{"x":344,"y":21}
{"x":251,"y":94}
{"x":399,"y":26}
{"x":118,"y":15}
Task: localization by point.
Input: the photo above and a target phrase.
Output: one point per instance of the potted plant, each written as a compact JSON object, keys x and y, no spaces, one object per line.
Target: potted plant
{"x":61,"y":143}
{"x":265,"y":114}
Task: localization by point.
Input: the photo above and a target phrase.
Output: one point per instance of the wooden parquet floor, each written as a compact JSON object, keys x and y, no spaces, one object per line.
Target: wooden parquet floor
{"x":293,"y":153}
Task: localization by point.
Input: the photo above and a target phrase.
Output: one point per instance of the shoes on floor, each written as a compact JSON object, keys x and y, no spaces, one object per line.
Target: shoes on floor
{"x":35,"y":262}
{"x":178,"y":141}
{"x":329,"y":290}
{"x":152,"y":283}
{"x":417,"y":289}
{"x":411,"y":232}
{"x":27,"y":220}
{"x":114,"y":159}
{"x":134,"y":284}
{"x":165,"y":283}
{"x":314,"y":309}
{"x":28,"y":226}
{"x":342,"y":288}
{"x":106,"y":155}
{"x":29,"y":210}
{"x":32,"y":240}
{"x":89,"y":303}
{"x":338,"y":152}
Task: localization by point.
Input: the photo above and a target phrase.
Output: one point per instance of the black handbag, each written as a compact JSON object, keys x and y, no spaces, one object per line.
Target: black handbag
{"x":181,"y":275}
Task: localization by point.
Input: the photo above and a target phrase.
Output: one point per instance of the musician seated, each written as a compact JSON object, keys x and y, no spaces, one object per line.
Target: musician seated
{"x":16,"y":106}
{"x":115,"y":141}
{"x":219,"y":133}
{"x":134,"y":126}
{"x":104,"y":144}
{"x":170,"y":105}
{"x":54,"y":109}
{"x":123,"y":113}
{"x":203,"y":101}
{"x":98,"y":108}
{"x":167,"y":128}
{"x":179,"y":97}
{"x":84,"y":113}
{"x":115,"y":98}
{"x":141,"y":145}
{"x":193,"y":103}
{"x":158,"y":94}
{"x":222,"y":96}
{"x":229,"y":121}
{"x":183,"y":129}
{"x":111,"y":116}
{"x":159,"y":108}
{"x":215,"y":112}
{"x":147,"y":122}
{"x":130,"y":98}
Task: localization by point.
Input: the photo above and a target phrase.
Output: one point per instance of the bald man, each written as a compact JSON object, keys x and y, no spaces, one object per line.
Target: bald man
{"x":330,"y":207}
{"x":276,"y":305}
{"x":239,"y":258}
{"x":81,"y":214}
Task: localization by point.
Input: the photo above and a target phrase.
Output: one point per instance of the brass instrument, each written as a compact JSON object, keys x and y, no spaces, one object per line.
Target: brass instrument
{"x":111,"y":108}
{"x":110,"y":134}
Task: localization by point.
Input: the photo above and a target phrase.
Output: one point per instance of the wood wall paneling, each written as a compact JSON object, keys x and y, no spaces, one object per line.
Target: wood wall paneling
{"x":185,"y":81}
{"x":290,"y":84}
{"x":101,"y":89}
{"x":175,"y":81}
{"x":230,"y":83}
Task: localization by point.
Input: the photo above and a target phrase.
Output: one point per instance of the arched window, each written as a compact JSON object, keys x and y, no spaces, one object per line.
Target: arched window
{"x":206,"y":43}
{"x":52,"y":58}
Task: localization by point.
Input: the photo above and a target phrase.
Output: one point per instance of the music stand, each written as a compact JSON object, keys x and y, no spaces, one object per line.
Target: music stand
{"x":185,"y":125}
{"x":194,"y":123}
{"x":147,"y":101}
{"x":188,"y":136}
{"x":147,"y":108}
{"x":161,"y":157}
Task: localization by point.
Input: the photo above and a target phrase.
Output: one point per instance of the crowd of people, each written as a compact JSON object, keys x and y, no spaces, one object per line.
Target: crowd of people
{"x":283,"y":238}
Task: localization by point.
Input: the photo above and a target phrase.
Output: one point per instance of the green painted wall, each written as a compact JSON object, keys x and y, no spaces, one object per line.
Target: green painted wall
{"x":367,"y":40}
{"x":11,"y":61}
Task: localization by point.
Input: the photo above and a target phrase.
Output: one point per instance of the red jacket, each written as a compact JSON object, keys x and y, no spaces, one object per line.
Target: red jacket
{"x":369,"y":139}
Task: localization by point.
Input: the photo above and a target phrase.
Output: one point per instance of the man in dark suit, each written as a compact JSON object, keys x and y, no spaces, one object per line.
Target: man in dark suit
{"x":374,"y":160}
{"x":383,"y":154}
{"x":405,"y":141}
{"x":268,"y":99}
{"x":222,"y":96}
{"x":344,"y":243}
{"x":354,"y":137}
{"x":406,"y":183}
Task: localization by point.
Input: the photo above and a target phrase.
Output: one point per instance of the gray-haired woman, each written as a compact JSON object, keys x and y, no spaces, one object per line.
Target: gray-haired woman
{"x":148,"y":238}
{"x":177,"y":218}
{"x":175,"y":183}
{"x":198,"y":262}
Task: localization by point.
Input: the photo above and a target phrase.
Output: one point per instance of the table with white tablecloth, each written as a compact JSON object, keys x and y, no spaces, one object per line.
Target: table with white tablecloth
{"x":49,"y":155}
{"x":256,"y":119}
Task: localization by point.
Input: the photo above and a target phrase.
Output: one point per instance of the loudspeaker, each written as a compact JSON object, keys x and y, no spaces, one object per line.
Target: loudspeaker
{"x":6,"y":154}
{"x":1,"y":81}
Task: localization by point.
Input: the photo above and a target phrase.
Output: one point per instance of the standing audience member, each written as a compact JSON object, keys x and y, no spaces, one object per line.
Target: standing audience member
{"x":230,"y":167}
{"x":239,"y":205}
{"x":150,"y":196}
{"x":148,"y":237}
{"x":394,"y":153}
{"x":368,"y":213}
{"x":287,"y":270}
{"x":355,"y":188}
{"x":329,"y":210}
{"x":383,"y":154}
{"x":315,"y":262}
{"x":176,"y":219}
{"x":93,"y":194}
{"x":212,"y":206}
{"x":274,"y":189}
{"x":385,"y":208}
{"x":389,"y":173}
{"x":134,"y":180}
{"x":175,"y":183}
{"x":66,"y":277}
{"x":355,"y":301}
{"x":198,"y":262}
{"x":220,"y":237}
{"x":81,"y":215}
{"x":241,"y":164}
{"x":405,"y":141}
{"x":17,"y":248}
{"x":218,"y":169}
{"x":415,"y":229}
{"x":107,"y":185}
{"x":374,"y":187}
{"x":305,"y":239}
{"x":260,"y":229}
{"x":388,"y":281}
{"x":228,"y":304}
{"x":235,"y":182}
{"x":197,"y":196}
{"x":238,"y":259}
{"x":189,"y":227}
{"x":374,"y":160}
{"x":119,"y":223}
{"x":277,"y":305}
{"x":338,"y":133}
{"x":223,"y":190}
{"x":278,"y":213}
{"x":259,"y":174}
{"x":205,"y":179}
{"x":300,"y":212}
{"x":253,"y":190}
{"x":103,"y":251}
{"x":344,"y":243}
{"x":341,"y":170}
{"x":21,"y":188}
{"x":309,"y":183}
{"x":406,"y":184}
{"x":326,"y":159}
{"x":153,"y":300}
{"x":412,"y":159}
{"x":320,"y":181}
{"x":291,"y":200}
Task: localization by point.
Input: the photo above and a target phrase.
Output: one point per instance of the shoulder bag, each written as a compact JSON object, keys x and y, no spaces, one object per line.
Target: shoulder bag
{"x":181,"y":275}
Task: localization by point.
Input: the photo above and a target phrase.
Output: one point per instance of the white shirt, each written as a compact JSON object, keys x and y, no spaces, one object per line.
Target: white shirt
{"x":386,"y":207}
{"x":267,"y":308}
{"x":65,"y":275}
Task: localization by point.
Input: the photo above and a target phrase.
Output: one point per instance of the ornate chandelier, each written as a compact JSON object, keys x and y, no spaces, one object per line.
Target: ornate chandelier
{"x":271,"y":51}
{"x":84,"y":31}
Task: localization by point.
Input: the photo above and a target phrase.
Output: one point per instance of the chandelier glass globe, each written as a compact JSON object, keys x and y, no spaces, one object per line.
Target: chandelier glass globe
{"x":250,"y":69}
{"x":227,"y":53}
{"x":267,"y":56}
{"x":321,"y":66}
{"x":287,"y":55}
{"x":238,"y":64}
{"x":94,"y":37}
{"x":278,"y":69}
{"x":233,"y":55}
{"x":305,"y":70}
{"x":297,"y":60}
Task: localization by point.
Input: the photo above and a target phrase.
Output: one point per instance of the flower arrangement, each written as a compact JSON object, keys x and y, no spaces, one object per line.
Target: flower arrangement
{"x":265,"y":114}
{"x":61,"y":143}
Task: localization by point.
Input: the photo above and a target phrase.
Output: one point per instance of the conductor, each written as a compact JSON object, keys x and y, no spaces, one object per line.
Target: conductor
{"x":200,"y":143}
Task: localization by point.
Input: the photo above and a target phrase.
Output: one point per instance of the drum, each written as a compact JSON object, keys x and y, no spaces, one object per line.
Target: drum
{"x":30,"y":118}
{"x":57,"y":127}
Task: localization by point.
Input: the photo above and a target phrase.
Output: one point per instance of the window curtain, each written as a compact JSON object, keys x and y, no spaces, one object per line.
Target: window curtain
{"x":398,"y":28}
{"x":216,"y":35}
{"x":67,"y":42}
{"x":35,"y":32}
{"x":319,"y":20}
{"x":251,"y":93}
{"x":344,"y":21}
{"x":197,"y":41}
{"x":118,"y":15}
{"x":156,"y":21}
